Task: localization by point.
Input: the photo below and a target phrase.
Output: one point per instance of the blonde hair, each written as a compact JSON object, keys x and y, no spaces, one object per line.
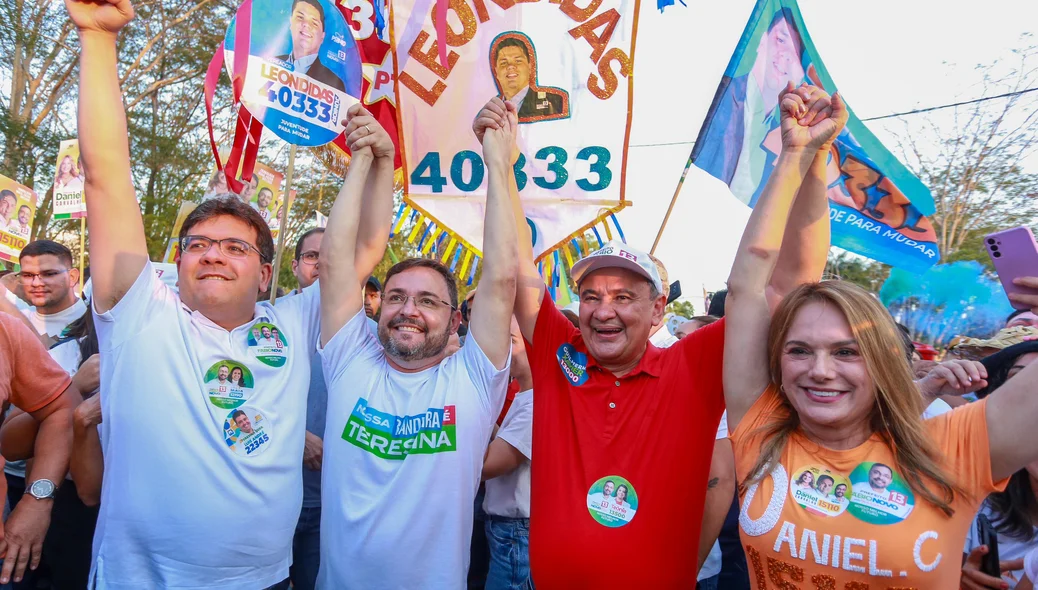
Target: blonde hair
{"x":896,"y":414}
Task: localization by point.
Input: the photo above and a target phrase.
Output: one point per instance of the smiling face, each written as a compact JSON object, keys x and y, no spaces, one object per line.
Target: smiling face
{"x":236,"y":375}
{"x":66,"y":166}
{"x":607,"y":490}
{"x":409,"y":332}
{"x":222,"y":373}
{"x":242,"y":421}
{"x":264,"y":198}
{"x":621,"y":493}
{"x":213,"y":282}
{"x":880,"y":477}
{"x":840,"y":491}
{"x":266,"y":332}
{"x":783,"y":61}
{"x":617,"y":313}
{"x":824,"y":485}
{"x":806,"y":479}
{"x":307,"y":30}
{"x":7,"y":203}
{"x":23,"y":215}
{"x":823,"y":373}
{"x":512,"y":70}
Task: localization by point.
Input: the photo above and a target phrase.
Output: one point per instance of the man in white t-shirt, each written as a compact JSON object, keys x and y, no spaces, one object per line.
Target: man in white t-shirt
{"x":170,"y":500}
{"x":506,"y":470}
{"x":49,"y":279}
{"x":402,"y":416}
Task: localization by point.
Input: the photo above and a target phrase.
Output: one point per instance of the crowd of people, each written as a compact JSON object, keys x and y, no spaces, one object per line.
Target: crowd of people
{"x":378,"y":432}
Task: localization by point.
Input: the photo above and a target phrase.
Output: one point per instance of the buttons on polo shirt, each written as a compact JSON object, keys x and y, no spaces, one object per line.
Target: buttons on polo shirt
{"x":617,"y":383}
{"x":612,"y":405}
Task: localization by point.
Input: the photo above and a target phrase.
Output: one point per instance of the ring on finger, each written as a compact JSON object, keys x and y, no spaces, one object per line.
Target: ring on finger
{"x":366,"y":130}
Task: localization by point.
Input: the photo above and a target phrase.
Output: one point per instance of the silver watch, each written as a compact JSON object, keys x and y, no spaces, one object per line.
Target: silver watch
{"x":41,"y":489}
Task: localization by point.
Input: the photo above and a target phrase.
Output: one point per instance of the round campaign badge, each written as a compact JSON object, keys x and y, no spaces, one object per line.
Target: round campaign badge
{"x":268,"y":343}
{"x":304,"y":69}
{"x":819,"y":490}
{"x":880,"y":495}
{"x":572,"y":363}
{"x":612,"y":501}
{"x":247,"y":431}
{"x":228,"y":384}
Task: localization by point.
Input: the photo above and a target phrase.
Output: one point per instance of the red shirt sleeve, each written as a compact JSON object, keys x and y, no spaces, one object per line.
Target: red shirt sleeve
{"x":35,"y":379}
{"x":704,"y":350}
{"x":551,"y":329}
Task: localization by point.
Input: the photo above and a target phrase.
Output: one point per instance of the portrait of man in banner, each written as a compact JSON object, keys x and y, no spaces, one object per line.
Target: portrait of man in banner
{"x":307,"y":26}
{"x":749,"y":106}
{"x":513,"y":62}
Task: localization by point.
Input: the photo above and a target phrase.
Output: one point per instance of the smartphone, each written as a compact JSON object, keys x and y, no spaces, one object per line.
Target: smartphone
{"x":988,"y":536}
{"x":1015,"y":254}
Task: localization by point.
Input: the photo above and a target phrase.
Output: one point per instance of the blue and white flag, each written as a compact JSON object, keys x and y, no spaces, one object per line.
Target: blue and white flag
{"x":877,"y":207}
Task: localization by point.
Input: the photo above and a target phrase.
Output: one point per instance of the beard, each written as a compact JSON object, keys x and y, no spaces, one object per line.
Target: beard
{"x":432,"y":345}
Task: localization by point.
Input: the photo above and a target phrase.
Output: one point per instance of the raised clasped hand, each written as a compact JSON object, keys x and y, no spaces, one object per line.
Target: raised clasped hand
{"x":495,"y":127}
{"x":364,"y":135}
{"x":101,"y":16}
{"x":811,"y":119}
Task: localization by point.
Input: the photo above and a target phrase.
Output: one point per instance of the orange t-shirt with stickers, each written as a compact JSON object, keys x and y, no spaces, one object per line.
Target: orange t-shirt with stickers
{"x":847,"y":520}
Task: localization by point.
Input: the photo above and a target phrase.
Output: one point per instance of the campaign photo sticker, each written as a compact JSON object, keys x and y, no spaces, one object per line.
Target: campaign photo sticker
{"x":819,"y":490}
{"x":247,"y":431}
{"x":612,"y":501}
{"x":268,"y":343}
{"x":573,"y":364}
{"x":228,"y":384}
{"x":880,"y":495}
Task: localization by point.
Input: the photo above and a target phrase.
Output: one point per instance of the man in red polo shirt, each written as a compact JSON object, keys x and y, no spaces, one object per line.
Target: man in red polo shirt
{"x":628,"y":428}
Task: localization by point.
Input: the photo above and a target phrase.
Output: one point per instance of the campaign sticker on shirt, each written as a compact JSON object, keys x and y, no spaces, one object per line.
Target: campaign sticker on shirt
{"x":228,"y":384}
{"x":247,"y":431}
{"x":612,"y":501}
{"x":880,"y":495}
{"x":573,"y":364}
{"x":269,"y":344}
{"x":819,"y":490}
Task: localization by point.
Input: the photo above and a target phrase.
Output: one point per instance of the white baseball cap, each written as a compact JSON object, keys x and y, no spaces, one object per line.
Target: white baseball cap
{"x":620,"y":255}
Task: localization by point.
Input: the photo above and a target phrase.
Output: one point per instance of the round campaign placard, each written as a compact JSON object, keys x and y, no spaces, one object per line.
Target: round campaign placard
{"x":880,"y":495}
{"x":228,"y":384}
{"x":268,"y":343}
{"x":304,"y":69}
{"x":820,"y":490}
{"x":612,"y":501}
{"x":247,"y":431}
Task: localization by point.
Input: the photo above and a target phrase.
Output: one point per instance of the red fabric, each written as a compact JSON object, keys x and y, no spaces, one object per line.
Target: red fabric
{"x":660,"y":437}
{"x":513,"y":388}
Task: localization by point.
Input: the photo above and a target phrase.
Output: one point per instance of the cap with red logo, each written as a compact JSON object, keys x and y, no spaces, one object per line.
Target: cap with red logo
{"x":618,"y":255}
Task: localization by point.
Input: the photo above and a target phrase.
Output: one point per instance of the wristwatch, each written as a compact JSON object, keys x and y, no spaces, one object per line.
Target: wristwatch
{"x":41,"y":489}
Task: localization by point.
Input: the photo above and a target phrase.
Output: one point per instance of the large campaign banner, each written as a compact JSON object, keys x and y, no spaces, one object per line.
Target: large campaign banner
{"x":568,"y":68}
{"x":877,"y":207}
{"x":68,"y":182}
{"x":17,"y":208}
{"x":303,"y":69}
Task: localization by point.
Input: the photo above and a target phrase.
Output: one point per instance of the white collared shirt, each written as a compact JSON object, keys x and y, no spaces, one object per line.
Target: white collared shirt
{"x":189,"y":500}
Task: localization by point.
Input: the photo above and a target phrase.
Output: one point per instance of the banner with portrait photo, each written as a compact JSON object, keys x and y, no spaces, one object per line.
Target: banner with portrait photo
{"x":878,"y":208}
{"x":303,"y":71}
{"x":173,"y":244}
{"x":68,"y":182}
{"x":17,"y":208}
{"x":567,"y":68}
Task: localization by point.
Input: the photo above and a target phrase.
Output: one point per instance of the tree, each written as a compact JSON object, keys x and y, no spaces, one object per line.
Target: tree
{"x":684,"y":309}
{"x":867,"y":274}
{"x":975,"y":166}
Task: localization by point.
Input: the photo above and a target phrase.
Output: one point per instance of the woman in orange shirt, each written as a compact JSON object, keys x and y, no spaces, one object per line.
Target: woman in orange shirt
{"x":822,"y":386}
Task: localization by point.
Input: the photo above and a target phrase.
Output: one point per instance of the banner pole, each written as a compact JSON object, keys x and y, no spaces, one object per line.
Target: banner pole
{"x":82,"y":252}
{"x":670,"y":208}
{"x":283,"y":223}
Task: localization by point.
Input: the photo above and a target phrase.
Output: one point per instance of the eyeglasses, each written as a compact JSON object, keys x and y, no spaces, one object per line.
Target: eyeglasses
{"x":310,"y":257}
{"x":230,"y":247}
{"x":423,"y":302}
{"x":27,"y":277}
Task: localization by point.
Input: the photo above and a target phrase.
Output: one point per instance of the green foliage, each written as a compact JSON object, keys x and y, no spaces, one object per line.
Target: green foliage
{"x":684,"y":309}
{"x":867,"y":274}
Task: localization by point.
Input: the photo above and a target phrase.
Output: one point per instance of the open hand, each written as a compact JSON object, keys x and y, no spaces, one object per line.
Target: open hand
{"x":364,"y":132}
{"x":956,"y":377}
{"x":23,"y":537}
{"x":811,"y":119}
{"x":101,"y":16}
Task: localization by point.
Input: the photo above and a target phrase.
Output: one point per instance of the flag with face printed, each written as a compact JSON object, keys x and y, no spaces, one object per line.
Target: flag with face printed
{"x":877,"y":207}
